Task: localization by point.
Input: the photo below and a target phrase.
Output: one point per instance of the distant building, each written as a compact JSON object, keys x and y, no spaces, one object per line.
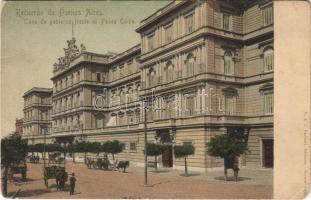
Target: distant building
{"x":19,"y":126}
{"x":37,"y":114}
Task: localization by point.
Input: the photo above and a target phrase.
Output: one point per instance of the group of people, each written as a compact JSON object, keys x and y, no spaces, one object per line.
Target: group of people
{"x":62,"y":178}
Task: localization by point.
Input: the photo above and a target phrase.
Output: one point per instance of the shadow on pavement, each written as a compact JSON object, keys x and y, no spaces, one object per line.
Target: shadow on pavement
{"x":190,"y":174}
{"x":222,"y":178}
{"x":160,"y":171}
{"x":159,"y":183}
{"x":32,"y":193}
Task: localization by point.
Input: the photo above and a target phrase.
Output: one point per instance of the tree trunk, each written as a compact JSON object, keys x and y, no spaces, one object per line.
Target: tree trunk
{"x":84,"y":157}
{"x":155,"y":163}
{"x":5,"y":181}
{"x":186,"y":168}
{"x":114,"y":164}
{"x":73,"y":157}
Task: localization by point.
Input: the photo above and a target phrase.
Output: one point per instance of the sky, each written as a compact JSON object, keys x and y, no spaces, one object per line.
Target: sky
{"x":33,"y":35}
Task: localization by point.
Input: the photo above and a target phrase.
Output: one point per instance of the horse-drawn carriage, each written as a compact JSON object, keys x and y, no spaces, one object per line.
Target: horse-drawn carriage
{"x":99,"y":163}
{"x":54,"y":171}
{"x":104,"y":163}
{"x":18,"y":168}
{"x":33,"y":159}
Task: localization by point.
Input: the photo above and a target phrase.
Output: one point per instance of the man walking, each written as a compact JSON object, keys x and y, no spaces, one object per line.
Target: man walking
{"x":72,"y":183}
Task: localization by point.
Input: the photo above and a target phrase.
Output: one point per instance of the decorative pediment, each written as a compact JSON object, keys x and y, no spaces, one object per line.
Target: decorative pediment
{"x":230,"y":91}
{"x":71,"y":53}
{"x":265,"y":87}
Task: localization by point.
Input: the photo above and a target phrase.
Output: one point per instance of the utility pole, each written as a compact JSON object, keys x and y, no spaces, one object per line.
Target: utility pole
{"x":145,"y":141}
{"x":44,"y":142}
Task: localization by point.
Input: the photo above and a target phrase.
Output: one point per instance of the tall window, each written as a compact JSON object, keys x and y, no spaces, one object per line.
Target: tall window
{"x":71,"y":79}
{"x":228,"y":63}
{"x":133,"y":146}
{"x":121,"y":70}
{"x":169,"y":72}
{"x":230,"y":104}
{"x":150,"y":43}
{"x":114,"y":73}
{"x":168,"y":33}
{"x":99,"y":121}
{"x":78,"y":76}
{"x":268,"y":102}
{"x":190,"y":65}
{"x":170,"y":108}
{"x":267,"y":16}
{"x":190,"y":106}
{"x":98,"y":78}
{"x":189,"y":23}
{"x":268,"y":60}
{"x":152,"y":77}
{"x":66,"y":82}
{"x":226,"y":22}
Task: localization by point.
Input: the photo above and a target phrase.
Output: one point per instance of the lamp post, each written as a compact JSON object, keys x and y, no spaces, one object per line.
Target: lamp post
{"x":44,"y":143}
{"x":145,"y":144}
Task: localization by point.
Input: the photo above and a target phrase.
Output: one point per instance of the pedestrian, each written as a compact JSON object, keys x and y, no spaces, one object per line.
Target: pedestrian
{"x":72,"y":183}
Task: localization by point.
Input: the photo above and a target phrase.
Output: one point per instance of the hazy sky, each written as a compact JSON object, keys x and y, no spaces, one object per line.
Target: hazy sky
{"x":35,"y":33}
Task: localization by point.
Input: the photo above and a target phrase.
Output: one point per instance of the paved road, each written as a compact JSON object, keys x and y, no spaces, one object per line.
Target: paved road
{"x":94,"y":183}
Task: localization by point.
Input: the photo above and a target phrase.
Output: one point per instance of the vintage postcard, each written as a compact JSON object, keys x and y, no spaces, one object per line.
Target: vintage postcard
{"x":196,"y":99}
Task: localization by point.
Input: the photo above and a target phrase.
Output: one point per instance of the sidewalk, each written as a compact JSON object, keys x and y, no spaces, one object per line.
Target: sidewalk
{"x":246,"y":176}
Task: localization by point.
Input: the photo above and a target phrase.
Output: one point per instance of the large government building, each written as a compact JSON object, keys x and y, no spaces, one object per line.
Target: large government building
{"x":201,"y":67}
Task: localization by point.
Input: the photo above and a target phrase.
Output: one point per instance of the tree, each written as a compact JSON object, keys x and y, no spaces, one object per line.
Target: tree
{"x":13,"y":151}
{"x":83,"y":147}
{"x":154,"y":150}
{"x":72,"y":148}
{"x":228,"y":147}
{"x":31,"y":148}
{"x":183,"y":151}
{"x":113,"y":147}
{"x":39,"y":147}
{"x":95,"y":147}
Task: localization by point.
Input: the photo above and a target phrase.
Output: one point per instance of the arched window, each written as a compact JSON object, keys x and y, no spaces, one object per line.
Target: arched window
{"x":169,"y":72}
{"x":190,"y":65}
{"x":268,"y":60}
{"x":152,"y":77}
{"x":228,"y":63}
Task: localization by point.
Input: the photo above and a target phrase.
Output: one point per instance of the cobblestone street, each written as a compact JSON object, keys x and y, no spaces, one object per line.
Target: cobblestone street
{"x":93,"y":183}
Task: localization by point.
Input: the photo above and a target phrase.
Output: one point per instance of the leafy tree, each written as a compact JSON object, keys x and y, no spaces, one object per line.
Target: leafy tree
{"x":183,"y":151}
{"x":72,"y":148}
{"x":95,"y":147}
{"x":39,"y":147}
{"x":83,"y":147}
{"x":228,"y":147}
{"x":113,"y":147}
{"x":31,"y":148}
{"x":13,"y":150}
{"x":154,"y":150}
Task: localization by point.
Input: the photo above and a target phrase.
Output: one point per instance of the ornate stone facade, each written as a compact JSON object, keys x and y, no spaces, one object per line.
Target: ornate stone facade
{"x":201,"y":68}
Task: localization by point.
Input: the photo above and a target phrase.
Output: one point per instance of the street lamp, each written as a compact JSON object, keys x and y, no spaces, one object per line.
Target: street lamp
{"x":145,"y":143}
{"x":44,"y":143}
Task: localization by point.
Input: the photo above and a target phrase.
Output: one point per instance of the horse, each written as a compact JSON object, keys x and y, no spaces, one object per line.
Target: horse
{"x":61,"y":178}
{"x":123,"y":164}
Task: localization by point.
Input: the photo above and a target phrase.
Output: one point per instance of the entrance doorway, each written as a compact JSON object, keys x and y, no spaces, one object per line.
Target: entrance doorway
{"x":267,"y":149}
{"x":167,"y":156}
